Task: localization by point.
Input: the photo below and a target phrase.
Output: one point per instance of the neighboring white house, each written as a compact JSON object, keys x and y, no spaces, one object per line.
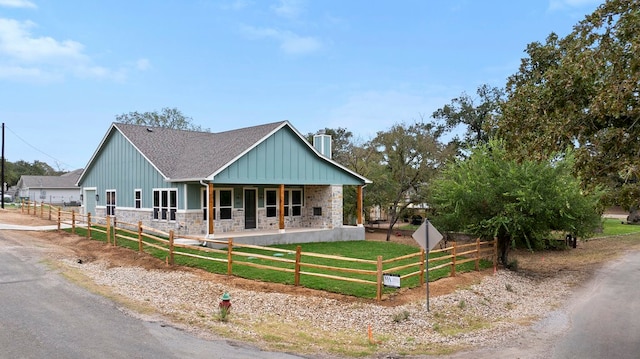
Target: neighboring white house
{"x":59,"y":190}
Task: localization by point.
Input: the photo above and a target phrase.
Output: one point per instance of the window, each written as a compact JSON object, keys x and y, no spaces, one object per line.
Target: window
{"x":165,"y":204}
{"x":205,"y":204}
{"x":137,"y":198}
{"x":271,"y":202}
{"x":111,"y":203}
{"x":293,"y":202}
{"x":317,"y":211}
{"x":222,"y":204}
{"x":225,"y":203}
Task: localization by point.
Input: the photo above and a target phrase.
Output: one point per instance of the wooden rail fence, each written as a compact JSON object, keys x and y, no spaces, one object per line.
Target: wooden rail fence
{"x":226,"y":251}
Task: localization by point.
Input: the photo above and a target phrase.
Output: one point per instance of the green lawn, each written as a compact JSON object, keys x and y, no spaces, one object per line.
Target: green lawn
{"x":616,"y":227}
{"x":353,"y":249}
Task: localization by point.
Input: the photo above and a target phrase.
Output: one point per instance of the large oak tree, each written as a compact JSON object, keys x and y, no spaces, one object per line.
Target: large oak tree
{"x":583,"y":91}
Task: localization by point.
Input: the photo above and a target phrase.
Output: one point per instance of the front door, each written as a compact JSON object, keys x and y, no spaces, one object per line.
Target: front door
{"x":90,"y":201}
{"x":250,"y":209}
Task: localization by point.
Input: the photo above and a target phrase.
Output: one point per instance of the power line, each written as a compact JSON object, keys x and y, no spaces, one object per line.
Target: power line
{"x":57,"y":161}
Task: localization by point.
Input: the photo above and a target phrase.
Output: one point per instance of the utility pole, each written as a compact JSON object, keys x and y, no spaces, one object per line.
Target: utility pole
{"x":2,"y":165}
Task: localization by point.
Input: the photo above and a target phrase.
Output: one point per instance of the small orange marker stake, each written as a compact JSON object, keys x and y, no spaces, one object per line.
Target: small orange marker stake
{"x":371,"y":340}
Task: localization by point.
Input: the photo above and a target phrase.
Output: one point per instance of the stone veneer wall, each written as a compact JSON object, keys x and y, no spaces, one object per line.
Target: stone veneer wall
{"x":328,"y":198}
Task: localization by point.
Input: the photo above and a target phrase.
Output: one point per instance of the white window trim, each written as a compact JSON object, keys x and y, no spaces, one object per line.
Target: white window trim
{"x":160,"y":204}
{"x":135,"y":200}
{"x":106,"y":201}
{"x":277,"y":205}
{"x":217,"y":206}
{"x":204,"y":197}
{"x":289,"y":206}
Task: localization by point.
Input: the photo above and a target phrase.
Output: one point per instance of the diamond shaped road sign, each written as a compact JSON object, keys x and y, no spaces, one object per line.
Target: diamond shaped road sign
{"x":427,"y":230}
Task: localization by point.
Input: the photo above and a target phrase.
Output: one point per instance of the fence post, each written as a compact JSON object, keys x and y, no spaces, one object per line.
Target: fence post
{"x":229,"y":256}
{"x":379,"y":279}
{"x":73,"y":221}
{"x":88,"y":225}
{"x":140,"y":236}
{"x":49,"y":212}
{"x":423,"y":258}
{"x":453,"y":260}
{"x":59,"y":218}
{"x":115,"y":232}
{"x":478,"y":254}
{"x":22,"y":206}
{"x":171,"y":248}
{"x":41,"y":209}
{"x":495,"y":254}
{"x":296,"y":278}
{"x":108,"y":220}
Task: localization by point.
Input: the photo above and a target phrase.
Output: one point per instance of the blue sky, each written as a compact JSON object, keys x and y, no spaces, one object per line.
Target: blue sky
{"x":67,"y":68}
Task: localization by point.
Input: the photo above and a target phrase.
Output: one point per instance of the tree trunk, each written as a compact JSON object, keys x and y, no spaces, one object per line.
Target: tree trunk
{"x":634,"y":216}
{"x":503,"y":249}
{"x":390,"y":229}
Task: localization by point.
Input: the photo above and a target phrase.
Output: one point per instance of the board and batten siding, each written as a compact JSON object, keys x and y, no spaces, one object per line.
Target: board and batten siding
{"x":284,"y":158}
{"x":121,"y":167}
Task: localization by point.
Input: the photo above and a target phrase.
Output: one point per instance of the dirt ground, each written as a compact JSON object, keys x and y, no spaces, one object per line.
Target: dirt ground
{"x":585,"y":258}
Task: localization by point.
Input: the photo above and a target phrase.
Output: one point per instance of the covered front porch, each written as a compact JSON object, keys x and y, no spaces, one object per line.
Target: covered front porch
{"x":283,"y":213}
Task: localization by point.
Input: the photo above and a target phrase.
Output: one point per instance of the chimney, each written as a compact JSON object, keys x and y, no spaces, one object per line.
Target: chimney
{"x":322,"y":143}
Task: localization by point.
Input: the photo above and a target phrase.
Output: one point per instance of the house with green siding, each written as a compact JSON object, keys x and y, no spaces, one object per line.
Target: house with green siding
{"x":262,"y":184}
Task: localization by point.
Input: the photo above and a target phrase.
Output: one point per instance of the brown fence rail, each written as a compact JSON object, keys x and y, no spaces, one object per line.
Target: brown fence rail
{"x":117,"y":231}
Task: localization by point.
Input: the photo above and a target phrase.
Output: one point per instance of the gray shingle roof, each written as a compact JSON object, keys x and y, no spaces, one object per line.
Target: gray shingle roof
{"x":67,"y":180}
{"x":181,"y":154}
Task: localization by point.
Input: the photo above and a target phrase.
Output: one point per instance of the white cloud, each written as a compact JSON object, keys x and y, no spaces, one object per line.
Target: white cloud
{"x":16,"y":42}
{"x":18,"y":4}
{"x":290,"y":42}
{"x":24,"y":56}
{"x":30,"y":74}
{"x":289,"y":9}
{"x":143,"y":64}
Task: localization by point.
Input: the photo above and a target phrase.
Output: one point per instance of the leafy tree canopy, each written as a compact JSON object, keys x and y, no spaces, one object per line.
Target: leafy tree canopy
{"x":13,"y":170}
{"x":520,"y":203}
{"x":582,"y":92}
{"x":409,"y":157}
{"x":476,"y":117}
{"x":167,"y":117}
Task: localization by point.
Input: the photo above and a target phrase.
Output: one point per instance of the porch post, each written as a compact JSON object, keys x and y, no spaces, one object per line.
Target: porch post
{"x":359,"y":205}
{"x":281,"y":208}
{"x":210,"y":207}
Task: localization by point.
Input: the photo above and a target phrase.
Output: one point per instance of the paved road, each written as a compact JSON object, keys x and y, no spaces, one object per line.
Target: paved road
{"x":42,"y":315}
{"x":601,"y":320}
{"x":605,"y":317}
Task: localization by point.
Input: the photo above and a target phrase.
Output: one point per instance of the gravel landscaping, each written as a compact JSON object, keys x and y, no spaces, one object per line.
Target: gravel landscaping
{"x":493,"y":311}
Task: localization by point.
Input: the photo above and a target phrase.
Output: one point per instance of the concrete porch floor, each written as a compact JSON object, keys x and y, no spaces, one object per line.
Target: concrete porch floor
{"x":289,"y":235}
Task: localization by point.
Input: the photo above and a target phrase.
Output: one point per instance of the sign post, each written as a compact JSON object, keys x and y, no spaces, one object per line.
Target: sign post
{"x":427,"y":237}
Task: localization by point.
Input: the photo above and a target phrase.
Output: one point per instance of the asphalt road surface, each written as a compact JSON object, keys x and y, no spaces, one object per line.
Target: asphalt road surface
{"x":42,"y":315}
{"x":605,"y":317}
{"x":600,"y":320}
